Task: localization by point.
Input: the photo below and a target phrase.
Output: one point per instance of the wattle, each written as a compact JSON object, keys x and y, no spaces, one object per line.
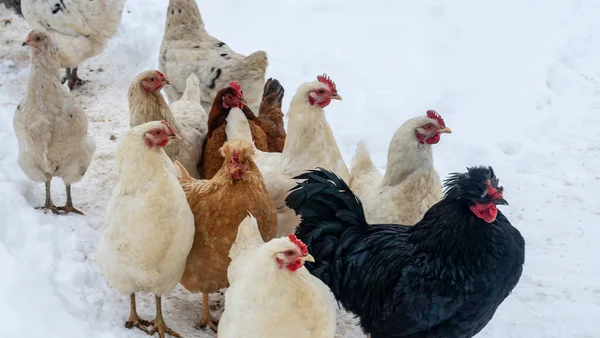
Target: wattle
{"x":486,"y":212}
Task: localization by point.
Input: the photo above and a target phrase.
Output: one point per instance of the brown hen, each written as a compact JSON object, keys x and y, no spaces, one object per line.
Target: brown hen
{"x":227,"y":98}
{"x":219,"y":205}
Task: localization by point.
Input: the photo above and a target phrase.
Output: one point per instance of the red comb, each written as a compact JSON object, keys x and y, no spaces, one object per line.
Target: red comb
{"x":432,"y":114}
{"x":327,"y":80}
{"x":237,"y":87}
{"x":168,"y":127}
{"x":494,"y":193}
{"x":303,"y":248}
{"x":161,"y":74}
{"x":235,"y":157}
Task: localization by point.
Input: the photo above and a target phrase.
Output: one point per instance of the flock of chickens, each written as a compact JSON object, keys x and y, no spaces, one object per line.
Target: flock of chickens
{"x":230,"y":199}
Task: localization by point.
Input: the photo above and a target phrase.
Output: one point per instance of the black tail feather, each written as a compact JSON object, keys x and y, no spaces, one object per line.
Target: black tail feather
{"x":329,"y":211}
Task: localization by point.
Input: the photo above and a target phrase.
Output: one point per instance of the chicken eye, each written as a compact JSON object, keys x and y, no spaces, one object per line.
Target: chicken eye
{"x":289,"y":253}
{"x":158,"y":132}
{"x":321,"y":91}
{"x":151,"y":79}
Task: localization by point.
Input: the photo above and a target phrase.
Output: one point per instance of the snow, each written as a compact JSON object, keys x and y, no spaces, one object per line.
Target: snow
{"x":516,"y":81}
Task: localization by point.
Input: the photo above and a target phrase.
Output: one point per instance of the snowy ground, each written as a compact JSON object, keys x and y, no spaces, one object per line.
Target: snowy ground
{"x":517,"y":81}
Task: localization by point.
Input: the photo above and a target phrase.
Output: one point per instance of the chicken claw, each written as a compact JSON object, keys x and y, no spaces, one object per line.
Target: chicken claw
{"x":49,"y":205}
{"x":72,"y":78}
{"x":158,"y":324}
{"x":135,"y":320}
{"x":68,"y":208}
{"x":207,"y":319}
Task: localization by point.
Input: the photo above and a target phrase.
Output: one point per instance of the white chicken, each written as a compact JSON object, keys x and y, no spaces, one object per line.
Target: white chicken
{"x":309,"y":144}
{"x":271,"y":294}
{"x":410,"y":185}
{"x":188,"y":48}
{"x":150,"y":225}
{"x":51,"y":128}
{"x":79,"y":28}
{"x":186,"y":116}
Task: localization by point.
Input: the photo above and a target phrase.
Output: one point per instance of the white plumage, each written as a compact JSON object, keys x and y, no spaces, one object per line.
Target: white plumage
{"x":309,"y":144}
{"x":188,"y":48}
{"x":266,"y":300}
{"x":410,"y":185}
{"x":150,"y":226}
{"x":51,"y":128}
{"x":192,"y":121}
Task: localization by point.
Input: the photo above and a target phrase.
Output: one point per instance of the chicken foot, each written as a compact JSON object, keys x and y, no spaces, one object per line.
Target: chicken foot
{"x":207,"y":318}
{"x":69,"y":205}
{"x":73,"y":79}
{"x":159,"y":323}
{"x":135,"y":320}
{"x":49,"y":205}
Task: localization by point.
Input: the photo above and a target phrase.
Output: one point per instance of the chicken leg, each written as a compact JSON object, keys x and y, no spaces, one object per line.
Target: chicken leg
{"x":49,"y":205}
{"x":69,"y":205}
{"x":134,"y":319}
{"x":159,"y":323}
{"x":73,"y":79}
{"x":207,"y":319}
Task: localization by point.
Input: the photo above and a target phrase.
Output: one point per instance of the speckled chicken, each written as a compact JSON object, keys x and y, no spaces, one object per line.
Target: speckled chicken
{"x":188,"y":48}
{"x":51,"y":128}
{"x":79,"y":28}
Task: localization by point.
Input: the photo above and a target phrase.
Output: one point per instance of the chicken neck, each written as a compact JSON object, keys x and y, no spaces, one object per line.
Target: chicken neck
{"x":44,"y":80}
{"x":135,"y":320}
{"x":146,"y":107}
{"x":310,"y":141}
{"x":405,"y":156}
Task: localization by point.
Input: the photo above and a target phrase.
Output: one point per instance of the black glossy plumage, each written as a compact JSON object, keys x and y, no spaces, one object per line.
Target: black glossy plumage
{"x":443,"y":277}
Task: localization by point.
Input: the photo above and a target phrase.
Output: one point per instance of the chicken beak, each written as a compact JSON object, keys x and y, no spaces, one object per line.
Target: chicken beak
{"x":176,"y":137}
{"x":308,"y":258}
{"x":445,"y":131}
{"x":166,"y":81}
{"x":336,"y":97}
{"x":28,"y":43}
{"x":501,"y":201}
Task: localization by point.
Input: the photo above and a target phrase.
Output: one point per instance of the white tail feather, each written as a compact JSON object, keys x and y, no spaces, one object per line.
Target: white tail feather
{"x":192,"y":89}
{"x":361,"y":161}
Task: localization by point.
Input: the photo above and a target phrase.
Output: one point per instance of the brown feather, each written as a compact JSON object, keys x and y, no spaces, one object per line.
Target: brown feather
{"x":219,"y":205}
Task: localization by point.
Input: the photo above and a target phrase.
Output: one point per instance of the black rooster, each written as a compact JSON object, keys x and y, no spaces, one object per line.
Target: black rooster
{"x":443,"y":277}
